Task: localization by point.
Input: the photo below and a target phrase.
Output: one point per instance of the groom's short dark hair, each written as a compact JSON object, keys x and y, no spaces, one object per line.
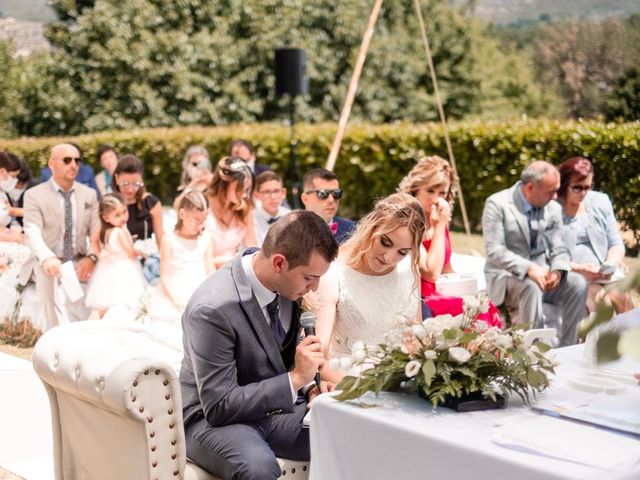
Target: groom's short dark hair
{"x":297,"y":235}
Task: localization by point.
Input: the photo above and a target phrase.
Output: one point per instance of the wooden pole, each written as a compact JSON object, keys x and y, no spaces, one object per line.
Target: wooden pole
{"x":353,"y":86}
{"x":443,"y":118}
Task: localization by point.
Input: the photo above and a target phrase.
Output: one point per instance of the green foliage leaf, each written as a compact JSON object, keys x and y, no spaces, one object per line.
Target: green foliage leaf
{"x":607,"y":347}
{"x":428,"y":371}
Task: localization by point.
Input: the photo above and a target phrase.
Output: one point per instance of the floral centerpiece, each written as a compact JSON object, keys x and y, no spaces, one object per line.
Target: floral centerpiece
{"x":449,"y":357}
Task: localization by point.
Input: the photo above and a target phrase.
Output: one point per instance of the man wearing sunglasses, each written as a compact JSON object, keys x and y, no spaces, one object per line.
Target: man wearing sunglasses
{"x":60,"y":216}
{"x":528,"y":262}
{"x":321,"y":195}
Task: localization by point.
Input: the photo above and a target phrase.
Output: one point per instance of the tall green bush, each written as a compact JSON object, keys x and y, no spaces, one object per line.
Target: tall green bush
{"x":374,"y":158}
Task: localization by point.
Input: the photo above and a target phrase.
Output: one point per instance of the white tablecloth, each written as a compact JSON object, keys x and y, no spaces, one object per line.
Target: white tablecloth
{"x":402,"y":438}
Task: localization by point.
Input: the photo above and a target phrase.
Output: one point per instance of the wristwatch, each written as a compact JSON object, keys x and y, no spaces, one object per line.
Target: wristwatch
{"x":93,"y":257}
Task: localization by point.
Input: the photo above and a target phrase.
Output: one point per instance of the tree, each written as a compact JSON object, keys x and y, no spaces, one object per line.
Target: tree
{"x":582,"y":59}
{"x":177,"y":62}
{"x":624,"y":101}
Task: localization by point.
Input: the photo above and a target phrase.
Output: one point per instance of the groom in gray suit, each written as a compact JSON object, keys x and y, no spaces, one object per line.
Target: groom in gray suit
{"x":527,"y":259}
{"x":244,"y":368}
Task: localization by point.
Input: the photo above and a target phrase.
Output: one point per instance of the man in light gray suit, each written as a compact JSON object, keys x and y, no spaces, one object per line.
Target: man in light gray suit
{"x":244,"y":366}
{"x":527,"y":259}
{"x":60,"y":215}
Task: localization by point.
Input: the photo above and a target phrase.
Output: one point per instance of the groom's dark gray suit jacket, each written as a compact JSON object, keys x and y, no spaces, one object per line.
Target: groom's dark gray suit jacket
{"x":233,"y":370}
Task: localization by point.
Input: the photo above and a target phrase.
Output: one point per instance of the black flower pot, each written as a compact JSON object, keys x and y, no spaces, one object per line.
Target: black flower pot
{"x":475,"y":401}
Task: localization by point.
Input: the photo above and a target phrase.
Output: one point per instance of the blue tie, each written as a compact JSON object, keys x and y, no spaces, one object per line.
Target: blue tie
{"x":273,"y":309}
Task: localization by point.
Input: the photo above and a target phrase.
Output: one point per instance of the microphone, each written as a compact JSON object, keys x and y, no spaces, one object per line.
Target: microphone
{"x":308,"y":323}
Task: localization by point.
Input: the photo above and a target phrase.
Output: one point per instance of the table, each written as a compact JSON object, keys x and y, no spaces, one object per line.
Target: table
{"x":403,"y":438}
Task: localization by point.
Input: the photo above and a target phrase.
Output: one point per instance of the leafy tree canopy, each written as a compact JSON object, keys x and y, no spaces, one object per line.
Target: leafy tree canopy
{"x":177,"y":62}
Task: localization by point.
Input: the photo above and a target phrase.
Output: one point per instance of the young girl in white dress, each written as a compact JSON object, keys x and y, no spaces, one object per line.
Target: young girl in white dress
{"x":117,"y":279}
{"x":186,"y":254}
{"x":374,"y":281}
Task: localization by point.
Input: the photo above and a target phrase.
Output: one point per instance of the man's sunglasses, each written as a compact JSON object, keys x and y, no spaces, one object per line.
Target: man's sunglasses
{"x":68,"y":160}
{"x":580,"y":188}
{"x":322,"y":193}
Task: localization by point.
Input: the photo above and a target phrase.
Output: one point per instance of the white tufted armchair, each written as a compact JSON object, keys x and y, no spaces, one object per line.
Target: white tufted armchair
{"x":116,"y":404}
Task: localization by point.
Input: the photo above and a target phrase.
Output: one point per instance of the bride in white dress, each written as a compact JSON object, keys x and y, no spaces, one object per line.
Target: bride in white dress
{"x":374,"y":281}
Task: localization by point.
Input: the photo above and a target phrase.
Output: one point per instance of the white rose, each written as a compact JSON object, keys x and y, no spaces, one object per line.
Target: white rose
{"x":345,"y":363}
{"x":459,"y":354}
{"x":430,"y":354}
{"x":334,"y":363}
{"x":356,"y":347}
{"x":503,"y":341}
{"x":419,"y":331}
{"x":412,"y":368}
{"x":358,"y":356}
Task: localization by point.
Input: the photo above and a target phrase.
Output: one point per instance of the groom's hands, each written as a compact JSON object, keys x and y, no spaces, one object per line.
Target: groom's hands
{"x":308,"y":360}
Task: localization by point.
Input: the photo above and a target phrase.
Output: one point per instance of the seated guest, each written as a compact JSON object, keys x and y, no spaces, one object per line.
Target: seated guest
{"x":244,"y":364}
{"x":432,"y":182}
{"x":230,"y":219}
{"x":9,"y":170}
{"x":527,"y":258}
{"x":145,"y":211}
{"x":591,"y":230}
{"x":373,"y":282}
{"x":321,"y":194}
{"x":108,"y":158}
{"x":186,"y":254}
{"x":86,"y":175}
{"x":244,"y":150}
{"x":196,"y":172}
{"x":60,"y":217}
{"x":117,"y":279}
{"x":16,"y":196}
{"x":270,"y":192}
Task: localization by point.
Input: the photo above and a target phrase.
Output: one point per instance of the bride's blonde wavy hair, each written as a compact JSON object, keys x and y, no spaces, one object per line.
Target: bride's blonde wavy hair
{"x":388,"y":214}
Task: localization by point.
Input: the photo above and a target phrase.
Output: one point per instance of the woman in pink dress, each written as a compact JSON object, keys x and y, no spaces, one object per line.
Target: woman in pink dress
{"x":230,"y":219}
{"x":432,"y":182}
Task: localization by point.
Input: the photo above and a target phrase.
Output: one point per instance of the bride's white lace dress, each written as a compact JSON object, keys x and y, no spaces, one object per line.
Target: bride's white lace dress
{"x":369,"y":305}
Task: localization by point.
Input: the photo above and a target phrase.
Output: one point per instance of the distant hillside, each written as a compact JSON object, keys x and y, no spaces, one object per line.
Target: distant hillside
{"x":497,"y":11}
{"x":515,"y":11}
{"x":27,"y":10}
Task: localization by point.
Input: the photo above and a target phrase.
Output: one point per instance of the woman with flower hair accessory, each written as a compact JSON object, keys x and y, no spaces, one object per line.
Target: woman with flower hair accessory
{"x":230,"y":220}
{"x":373,"y":283}
{"x":186,"y":254}
{"x":432,"y":182}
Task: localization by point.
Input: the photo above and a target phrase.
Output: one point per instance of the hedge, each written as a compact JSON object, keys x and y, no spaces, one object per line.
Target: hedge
{"x":373,"y":159}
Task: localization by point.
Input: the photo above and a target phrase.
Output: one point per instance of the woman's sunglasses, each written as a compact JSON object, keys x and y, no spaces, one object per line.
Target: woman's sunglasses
{"x":580,"y":188}
{"x":322,"y":193}
{"x":68,"y":160}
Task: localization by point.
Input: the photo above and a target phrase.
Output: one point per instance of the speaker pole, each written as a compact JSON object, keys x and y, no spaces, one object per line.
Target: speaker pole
{"x":294,"y":165}
{"x":353,"y":86}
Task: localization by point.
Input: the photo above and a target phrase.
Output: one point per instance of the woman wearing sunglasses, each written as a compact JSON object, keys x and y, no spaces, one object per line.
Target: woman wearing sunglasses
{"x":591,"y":231}
{"x":145,"y":212}
{"x":230,"y":219}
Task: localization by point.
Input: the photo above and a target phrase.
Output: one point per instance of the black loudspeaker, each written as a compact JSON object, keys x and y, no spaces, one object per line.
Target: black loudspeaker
{"x":291,"y":78}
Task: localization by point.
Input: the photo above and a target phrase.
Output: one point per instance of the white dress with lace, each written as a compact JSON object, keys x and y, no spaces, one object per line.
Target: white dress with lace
{"x":369,"y":305}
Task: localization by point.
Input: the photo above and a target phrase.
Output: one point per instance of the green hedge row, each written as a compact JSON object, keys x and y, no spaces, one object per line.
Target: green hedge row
{"x":374,"y":158}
